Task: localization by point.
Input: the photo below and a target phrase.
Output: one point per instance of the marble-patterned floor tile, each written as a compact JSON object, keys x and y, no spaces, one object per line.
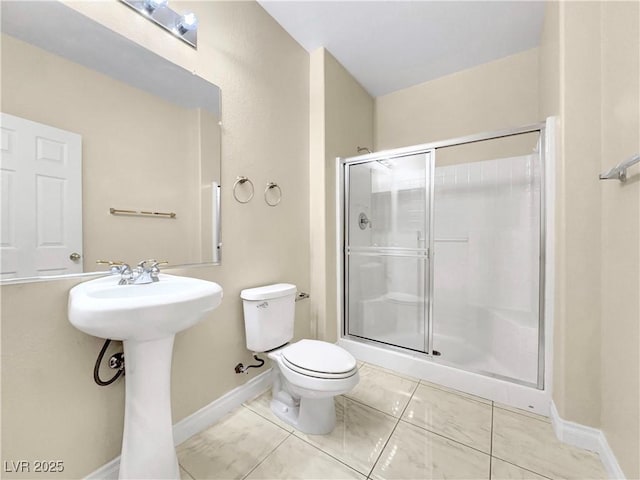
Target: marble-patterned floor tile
{"x":296,"y":459}
{"x":459,"y":418}
{"x":521,"y":411}
{"x":457,"y":392}
{"x":262,"y":406}
{"x":184,"y":475}
{"x":531,"y":444}
{"x":387,"y":392}
{"x":415,"y":453}
{"x":232,"y":447}
{"x":505,"y":471}
{"x":359,"y":436}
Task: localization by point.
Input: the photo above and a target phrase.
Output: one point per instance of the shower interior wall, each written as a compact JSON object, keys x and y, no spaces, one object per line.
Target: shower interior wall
{"x":486,"y":276}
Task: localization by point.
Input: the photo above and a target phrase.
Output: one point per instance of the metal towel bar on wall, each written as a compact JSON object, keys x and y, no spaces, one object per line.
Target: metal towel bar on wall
{"x":144,"y":213}
{"x":619,"y":172}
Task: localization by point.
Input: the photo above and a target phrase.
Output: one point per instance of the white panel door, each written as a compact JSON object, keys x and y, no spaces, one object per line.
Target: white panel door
{"x":41,"y":181}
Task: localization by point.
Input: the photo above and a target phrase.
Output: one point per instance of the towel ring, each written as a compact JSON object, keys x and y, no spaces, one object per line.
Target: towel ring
{"x":270,"y":186}
{"x":241,"y":180}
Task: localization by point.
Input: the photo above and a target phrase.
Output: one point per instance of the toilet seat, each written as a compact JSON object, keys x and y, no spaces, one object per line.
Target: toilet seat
{"x":319,"y":359}
{"x":313,"y":373}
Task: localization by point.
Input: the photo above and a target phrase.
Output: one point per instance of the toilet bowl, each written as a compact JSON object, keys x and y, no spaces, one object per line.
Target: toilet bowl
{"x":307,"y":374}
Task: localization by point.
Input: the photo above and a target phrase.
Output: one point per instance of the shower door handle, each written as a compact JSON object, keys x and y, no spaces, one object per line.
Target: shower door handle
{"x":420,"y":239}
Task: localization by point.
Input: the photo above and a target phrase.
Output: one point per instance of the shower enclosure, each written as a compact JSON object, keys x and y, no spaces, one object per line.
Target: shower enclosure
{"x":443,"y":253}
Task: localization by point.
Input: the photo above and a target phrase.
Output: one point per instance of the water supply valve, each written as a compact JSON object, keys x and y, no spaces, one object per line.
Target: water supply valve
{"x":240,"y":368}
{"x":116,"y":362}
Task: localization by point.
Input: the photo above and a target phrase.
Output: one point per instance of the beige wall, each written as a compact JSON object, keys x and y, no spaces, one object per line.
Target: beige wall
{"x":620,"y":241}
{"x":492,"y":96}
{"x":580,"y":250}
{"x":50,"y":406}
{"x":590,"y":77}
{"x":318,"y":216}
{"x":349,"y":124}
{"x":343,"y":110}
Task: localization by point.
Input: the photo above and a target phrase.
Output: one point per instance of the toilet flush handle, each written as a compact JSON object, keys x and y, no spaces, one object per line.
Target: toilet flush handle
{"x":301,"y":296}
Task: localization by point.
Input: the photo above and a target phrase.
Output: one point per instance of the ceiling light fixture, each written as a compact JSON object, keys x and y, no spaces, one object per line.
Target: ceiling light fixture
{"x":184,"y":26}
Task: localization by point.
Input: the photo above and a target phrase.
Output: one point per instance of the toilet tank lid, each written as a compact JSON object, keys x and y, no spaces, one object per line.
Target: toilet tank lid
{"x":268,"y":292}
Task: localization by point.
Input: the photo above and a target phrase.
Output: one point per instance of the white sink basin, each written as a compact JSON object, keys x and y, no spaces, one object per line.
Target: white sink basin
{"x":103,"y":308}
{"x":146,"y":319}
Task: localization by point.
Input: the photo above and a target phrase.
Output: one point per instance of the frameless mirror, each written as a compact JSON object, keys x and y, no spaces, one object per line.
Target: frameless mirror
{"x":109,"y":151}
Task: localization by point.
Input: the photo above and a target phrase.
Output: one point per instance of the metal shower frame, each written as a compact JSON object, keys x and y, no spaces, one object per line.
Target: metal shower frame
{"x":342,"y":184}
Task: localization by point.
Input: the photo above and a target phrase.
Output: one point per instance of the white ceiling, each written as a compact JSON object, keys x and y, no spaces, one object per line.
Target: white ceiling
{"x":390,"y":45}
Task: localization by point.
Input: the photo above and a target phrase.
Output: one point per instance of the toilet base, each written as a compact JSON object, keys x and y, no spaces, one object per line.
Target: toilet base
{"x":315,"y":416}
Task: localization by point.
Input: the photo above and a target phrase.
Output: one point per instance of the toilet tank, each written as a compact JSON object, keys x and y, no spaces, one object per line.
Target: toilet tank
{"x":269,"y":314}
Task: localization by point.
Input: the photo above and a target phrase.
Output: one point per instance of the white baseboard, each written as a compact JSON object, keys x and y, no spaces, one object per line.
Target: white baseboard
{"x":588,"y":438}
{"x":200,"y":420}
{"x":109,"y":471}
{"x":210,"y":414}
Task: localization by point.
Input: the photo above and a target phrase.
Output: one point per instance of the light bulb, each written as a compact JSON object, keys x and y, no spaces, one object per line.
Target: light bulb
{"x":152,"y":5}
{"x":187,"y":22}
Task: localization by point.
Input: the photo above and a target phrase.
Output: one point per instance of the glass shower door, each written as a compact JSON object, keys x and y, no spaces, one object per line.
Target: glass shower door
{"x":386,"y":250}
{"x":487,"y":259}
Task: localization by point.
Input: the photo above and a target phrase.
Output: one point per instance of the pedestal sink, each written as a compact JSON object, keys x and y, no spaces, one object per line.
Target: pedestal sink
{"x":146,"y":318}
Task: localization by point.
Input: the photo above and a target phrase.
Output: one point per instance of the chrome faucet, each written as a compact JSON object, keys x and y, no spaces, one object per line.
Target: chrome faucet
{"x":124,"y":270}
{"x":147,"y":271}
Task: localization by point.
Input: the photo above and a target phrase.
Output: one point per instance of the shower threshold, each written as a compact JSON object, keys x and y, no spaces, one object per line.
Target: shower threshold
{"x":418,"y":365}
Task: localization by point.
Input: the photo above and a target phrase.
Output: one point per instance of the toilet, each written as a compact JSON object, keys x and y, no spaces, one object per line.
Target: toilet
{"x":307,"y":374}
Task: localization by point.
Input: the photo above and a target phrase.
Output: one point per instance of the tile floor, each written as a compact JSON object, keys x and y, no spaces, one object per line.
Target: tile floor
{"x":389,"y":427}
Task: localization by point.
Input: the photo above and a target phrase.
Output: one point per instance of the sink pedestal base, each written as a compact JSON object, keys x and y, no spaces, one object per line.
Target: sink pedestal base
{"x":147,"y":443}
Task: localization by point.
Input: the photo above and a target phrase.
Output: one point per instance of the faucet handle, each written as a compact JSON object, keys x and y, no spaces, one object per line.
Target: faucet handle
{"x":117,"y":267}
{"x":109,"y":262}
